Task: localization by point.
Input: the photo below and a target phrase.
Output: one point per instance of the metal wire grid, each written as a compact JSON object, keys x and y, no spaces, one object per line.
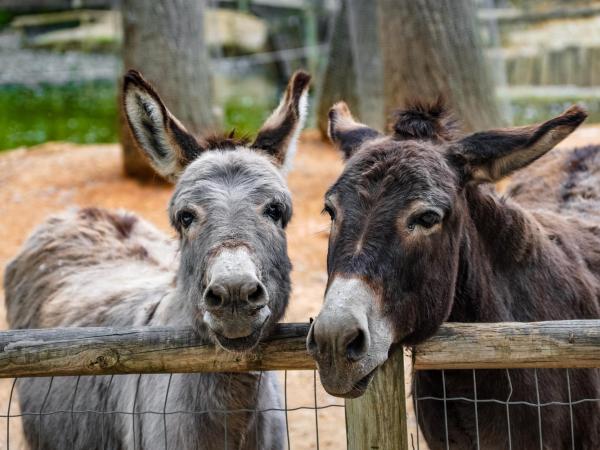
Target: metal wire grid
{"x":415,"y":440}
{"x":316,"y":407}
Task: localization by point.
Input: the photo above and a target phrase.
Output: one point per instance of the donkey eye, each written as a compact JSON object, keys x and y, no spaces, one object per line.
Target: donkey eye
{"x":328,"y":210}
{"x":274,"y":211}
{"x":186,"y":218}
{"x":426,"y":220}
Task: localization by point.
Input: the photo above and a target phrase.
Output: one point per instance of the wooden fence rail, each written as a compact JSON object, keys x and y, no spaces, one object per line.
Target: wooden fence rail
{"x":567,"y":344}
{"x":103,"y":351}
{"x":375,"y":420}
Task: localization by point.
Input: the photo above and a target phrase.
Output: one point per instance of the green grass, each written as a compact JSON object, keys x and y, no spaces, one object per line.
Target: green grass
{"x":5,"y":17}
{"x":245,"y":114}
{"x":82,"y":113}
{"x":87,"y":113}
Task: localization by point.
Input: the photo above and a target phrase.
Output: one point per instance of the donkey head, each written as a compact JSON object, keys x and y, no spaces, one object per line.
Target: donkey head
{"x":230,"y":208}
{"x":398,"y":214}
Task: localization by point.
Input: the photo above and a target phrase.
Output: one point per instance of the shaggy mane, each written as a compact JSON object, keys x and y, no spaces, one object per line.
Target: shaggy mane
{"x":224,"y":141}
{"x":422,"y":120}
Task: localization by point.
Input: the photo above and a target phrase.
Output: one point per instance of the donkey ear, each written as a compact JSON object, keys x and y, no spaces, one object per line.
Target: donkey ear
{"x":491,"y":155}
{"x":347,"y":134}
{"x":164,"y":141}
{"x":279,"y":134}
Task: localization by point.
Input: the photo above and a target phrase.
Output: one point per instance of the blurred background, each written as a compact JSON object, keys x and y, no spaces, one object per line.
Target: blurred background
{"x":61,"y":60}
{"x":223,"y":64}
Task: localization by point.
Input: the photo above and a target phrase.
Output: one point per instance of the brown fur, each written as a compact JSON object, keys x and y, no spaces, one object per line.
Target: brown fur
{"x":277,"y":131}
{"x":425,"y":121}
{"x":490,"y":259}
{"x":225,"y":141}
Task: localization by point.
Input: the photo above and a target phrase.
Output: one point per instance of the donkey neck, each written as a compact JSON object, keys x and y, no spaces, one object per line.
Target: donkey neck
{"x":509,"y":268}
{"x":174,"y":309}
{"x":207,"y":391}
{"x":473,"y":278}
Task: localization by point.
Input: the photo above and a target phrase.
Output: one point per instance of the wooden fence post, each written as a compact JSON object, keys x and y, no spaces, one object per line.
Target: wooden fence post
{"x":377,"y":420}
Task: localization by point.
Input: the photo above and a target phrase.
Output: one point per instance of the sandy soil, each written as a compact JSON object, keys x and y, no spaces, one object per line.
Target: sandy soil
{"x":38,"y":182}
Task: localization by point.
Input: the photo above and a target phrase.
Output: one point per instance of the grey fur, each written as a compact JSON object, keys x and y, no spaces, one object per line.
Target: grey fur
{"x":92,"y":267}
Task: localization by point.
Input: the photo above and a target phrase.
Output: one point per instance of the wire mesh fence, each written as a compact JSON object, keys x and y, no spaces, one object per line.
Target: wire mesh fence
{"x":503,"y":385}
{"x":531,"y":416}
{"x":306,"y":410}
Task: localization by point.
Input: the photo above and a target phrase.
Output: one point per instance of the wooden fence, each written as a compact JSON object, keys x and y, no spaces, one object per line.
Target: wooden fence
{"x":375,"y":420}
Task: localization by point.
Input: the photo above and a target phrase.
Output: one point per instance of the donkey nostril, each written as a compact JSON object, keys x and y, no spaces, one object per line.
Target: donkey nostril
{"x":357,"y":345}
{"x":256,"y":294}
{"x":212,"y":299}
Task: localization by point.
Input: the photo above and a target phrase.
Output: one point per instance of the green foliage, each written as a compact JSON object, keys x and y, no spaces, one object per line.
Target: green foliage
{"x":245,"y":114}
{"x":5,"y":18}
{"x":87,"y":113}
{"x":76,"y":112}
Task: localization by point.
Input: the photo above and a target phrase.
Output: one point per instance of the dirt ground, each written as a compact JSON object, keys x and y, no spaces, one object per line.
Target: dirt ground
{"x":40,"y":181}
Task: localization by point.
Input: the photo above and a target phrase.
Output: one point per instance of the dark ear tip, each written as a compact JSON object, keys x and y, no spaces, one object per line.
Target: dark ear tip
{"x":576,"y":114}
{"x":133,"y":77}
{"x":300,"y":80}
{"x":331,"y":114}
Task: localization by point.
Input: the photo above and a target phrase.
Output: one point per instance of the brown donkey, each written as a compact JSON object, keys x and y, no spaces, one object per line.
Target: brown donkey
{"x":418,"y":238}
{"x":228,"y":277}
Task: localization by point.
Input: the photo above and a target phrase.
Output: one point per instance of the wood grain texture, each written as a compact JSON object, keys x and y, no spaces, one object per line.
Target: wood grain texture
{"x":166,"y":42}
{"x":445,"y":57}
{"x":556,"y":344}
{"x":354,"y":72}
{"x":104,"y":351}
{"x":377,"y":420}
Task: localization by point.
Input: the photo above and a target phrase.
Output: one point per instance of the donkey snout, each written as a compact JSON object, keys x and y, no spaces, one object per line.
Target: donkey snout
{"x":350,"y":338}
{"x":235,"y":302}
{"x":235,"y":291}
{"x":341,"y":337}
{"x":234,"y":282}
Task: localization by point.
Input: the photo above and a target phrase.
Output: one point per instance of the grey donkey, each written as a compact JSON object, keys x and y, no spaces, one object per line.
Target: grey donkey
{"x":228,"y":277}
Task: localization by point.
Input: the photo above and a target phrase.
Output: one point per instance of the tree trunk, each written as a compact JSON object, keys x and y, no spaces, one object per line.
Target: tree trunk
{"x":354,"y":72}
{"x":165,"y":41}
{"x":432,"y":48}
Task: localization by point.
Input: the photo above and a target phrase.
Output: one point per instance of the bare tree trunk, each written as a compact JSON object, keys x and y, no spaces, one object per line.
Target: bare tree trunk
{"x":164,"y":39}
{"x":354,"y":72}
{"x":432,"y":47}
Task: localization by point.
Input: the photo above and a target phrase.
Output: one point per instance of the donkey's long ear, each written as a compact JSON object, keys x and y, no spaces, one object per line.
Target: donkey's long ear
{"x":279,"y":134}
{"x":165,"y":142}
{"x":489,"y":156}
{"x":346,"y":133}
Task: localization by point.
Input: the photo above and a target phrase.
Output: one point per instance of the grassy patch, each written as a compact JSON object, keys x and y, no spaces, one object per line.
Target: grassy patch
{"x":86,"y":113}
{"x":79,"y":112}
{"x":245,"y":114}
{"x":5,"y":17}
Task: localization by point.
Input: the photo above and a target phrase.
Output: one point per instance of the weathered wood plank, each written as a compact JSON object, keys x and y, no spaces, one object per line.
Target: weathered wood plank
{"x":514,"y":16}
{"x":96,"y":351}
{"x":377,"y":420}
{"x":557,"y":344}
